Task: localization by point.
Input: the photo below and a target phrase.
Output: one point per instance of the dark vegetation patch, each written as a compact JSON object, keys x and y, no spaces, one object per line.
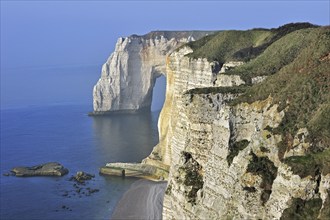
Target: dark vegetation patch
{"x":249,"y":189}
{"x":265,"y":168}
{"x":235,"y":148}
{"x":264,"y":150}
{"x":268,"y":128}
{"x":215,"y":90}
{"x":310,"y":164}
{"x":192,"y":176}
{"x":302,"y":209}
{"x":168,"y":189}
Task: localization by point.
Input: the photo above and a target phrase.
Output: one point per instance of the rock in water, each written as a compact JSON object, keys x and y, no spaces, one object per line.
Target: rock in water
{"x":47,"y":169}
{"x":81,"y":177}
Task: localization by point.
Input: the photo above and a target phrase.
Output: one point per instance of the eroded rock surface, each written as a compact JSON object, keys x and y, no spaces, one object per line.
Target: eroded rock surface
{"x":47,"y":169}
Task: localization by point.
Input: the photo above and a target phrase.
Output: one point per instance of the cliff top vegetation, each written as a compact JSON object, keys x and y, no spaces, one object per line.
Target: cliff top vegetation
{"x":236,"y":45}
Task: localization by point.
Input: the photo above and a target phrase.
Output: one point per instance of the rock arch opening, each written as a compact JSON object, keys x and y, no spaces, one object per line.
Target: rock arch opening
{"x":158,"y":93}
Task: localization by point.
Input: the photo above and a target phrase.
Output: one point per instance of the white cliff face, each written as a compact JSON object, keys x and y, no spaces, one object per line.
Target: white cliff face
{"x":203,"y":184}
{"x":213,"y":150}
{"x":129,"y":74}
{"x":182,"y":74}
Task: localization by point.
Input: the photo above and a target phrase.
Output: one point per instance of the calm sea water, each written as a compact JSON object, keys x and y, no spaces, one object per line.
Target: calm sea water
{"x":65,"y":134}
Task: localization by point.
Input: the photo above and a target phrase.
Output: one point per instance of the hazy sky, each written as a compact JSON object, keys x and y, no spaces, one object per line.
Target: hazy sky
{"x":80,"y":33}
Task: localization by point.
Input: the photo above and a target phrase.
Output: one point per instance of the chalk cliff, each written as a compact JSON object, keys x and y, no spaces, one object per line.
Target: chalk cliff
{"x":245,"y":129}
{"x":129,"y":75}
{"x":231,"y":159}
{"x":225,"y":163}
{"x":183,"y":74}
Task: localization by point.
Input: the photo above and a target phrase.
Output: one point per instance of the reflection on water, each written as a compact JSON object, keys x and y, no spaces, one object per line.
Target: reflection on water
{"x":126,"y":138}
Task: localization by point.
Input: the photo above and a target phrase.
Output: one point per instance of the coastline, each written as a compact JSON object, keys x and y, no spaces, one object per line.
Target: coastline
{"x":120,"y":112}
{"x":144,"y":200}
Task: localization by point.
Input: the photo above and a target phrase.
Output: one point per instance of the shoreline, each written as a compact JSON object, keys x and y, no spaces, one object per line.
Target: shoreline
{"x":120,"y":112}
{"x":143,"y":200}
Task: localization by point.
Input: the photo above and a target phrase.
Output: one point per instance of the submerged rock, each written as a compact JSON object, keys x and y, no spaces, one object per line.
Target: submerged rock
{"x":47,"y":169}
{"x":81,"y":177}
{"x":7,"y":174}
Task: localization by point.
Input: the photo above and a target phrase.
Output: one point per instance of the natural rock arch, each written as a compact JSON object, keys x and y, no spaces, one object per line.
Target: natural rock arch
{"x":129,"y":75}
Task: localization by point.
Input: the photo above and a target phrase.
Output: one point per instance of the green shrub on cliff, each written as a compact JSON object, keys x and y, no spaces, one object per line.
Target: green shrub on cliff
{"x":222,"y":46}
{"x":302,"y":87}
{"x":240,"y":45}
{"x":276,"y":56}
{"x":265,"y":168}
{"x":214,"y":90}
{"x":303,"y":209}
{"x":310,"y":165}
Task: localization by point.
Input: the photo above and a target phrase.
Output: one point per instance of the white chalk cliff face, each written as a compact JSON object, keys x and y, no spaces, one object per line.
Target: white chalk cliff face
{"x":182,"y":74}
{"x":129,"y":75}
{"x":223,"y":160}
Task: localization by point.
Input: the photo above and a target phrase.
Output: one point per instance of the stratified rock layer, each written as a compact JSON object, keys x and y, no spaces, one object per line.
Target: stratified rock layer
{"x":224,"y":160}
{"x":183,"y":74}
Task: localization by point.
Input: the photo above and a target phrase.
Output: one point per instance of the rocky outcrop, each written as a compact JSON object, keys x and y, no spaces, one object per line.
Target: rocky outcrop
{"x":47,"y":169}
{"x":129,"y":75}
{"x":81,"y":177}
{"x":225,"y":158}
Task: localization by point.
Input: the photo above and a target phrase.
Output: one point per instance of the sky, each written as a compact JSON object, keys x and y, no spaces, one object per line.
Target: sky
{"x":40,"y":37}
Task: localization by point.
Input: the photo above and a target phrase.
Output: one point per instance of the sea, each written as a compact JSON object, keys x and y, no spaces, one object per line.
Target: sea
{"x":64,"y":133}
